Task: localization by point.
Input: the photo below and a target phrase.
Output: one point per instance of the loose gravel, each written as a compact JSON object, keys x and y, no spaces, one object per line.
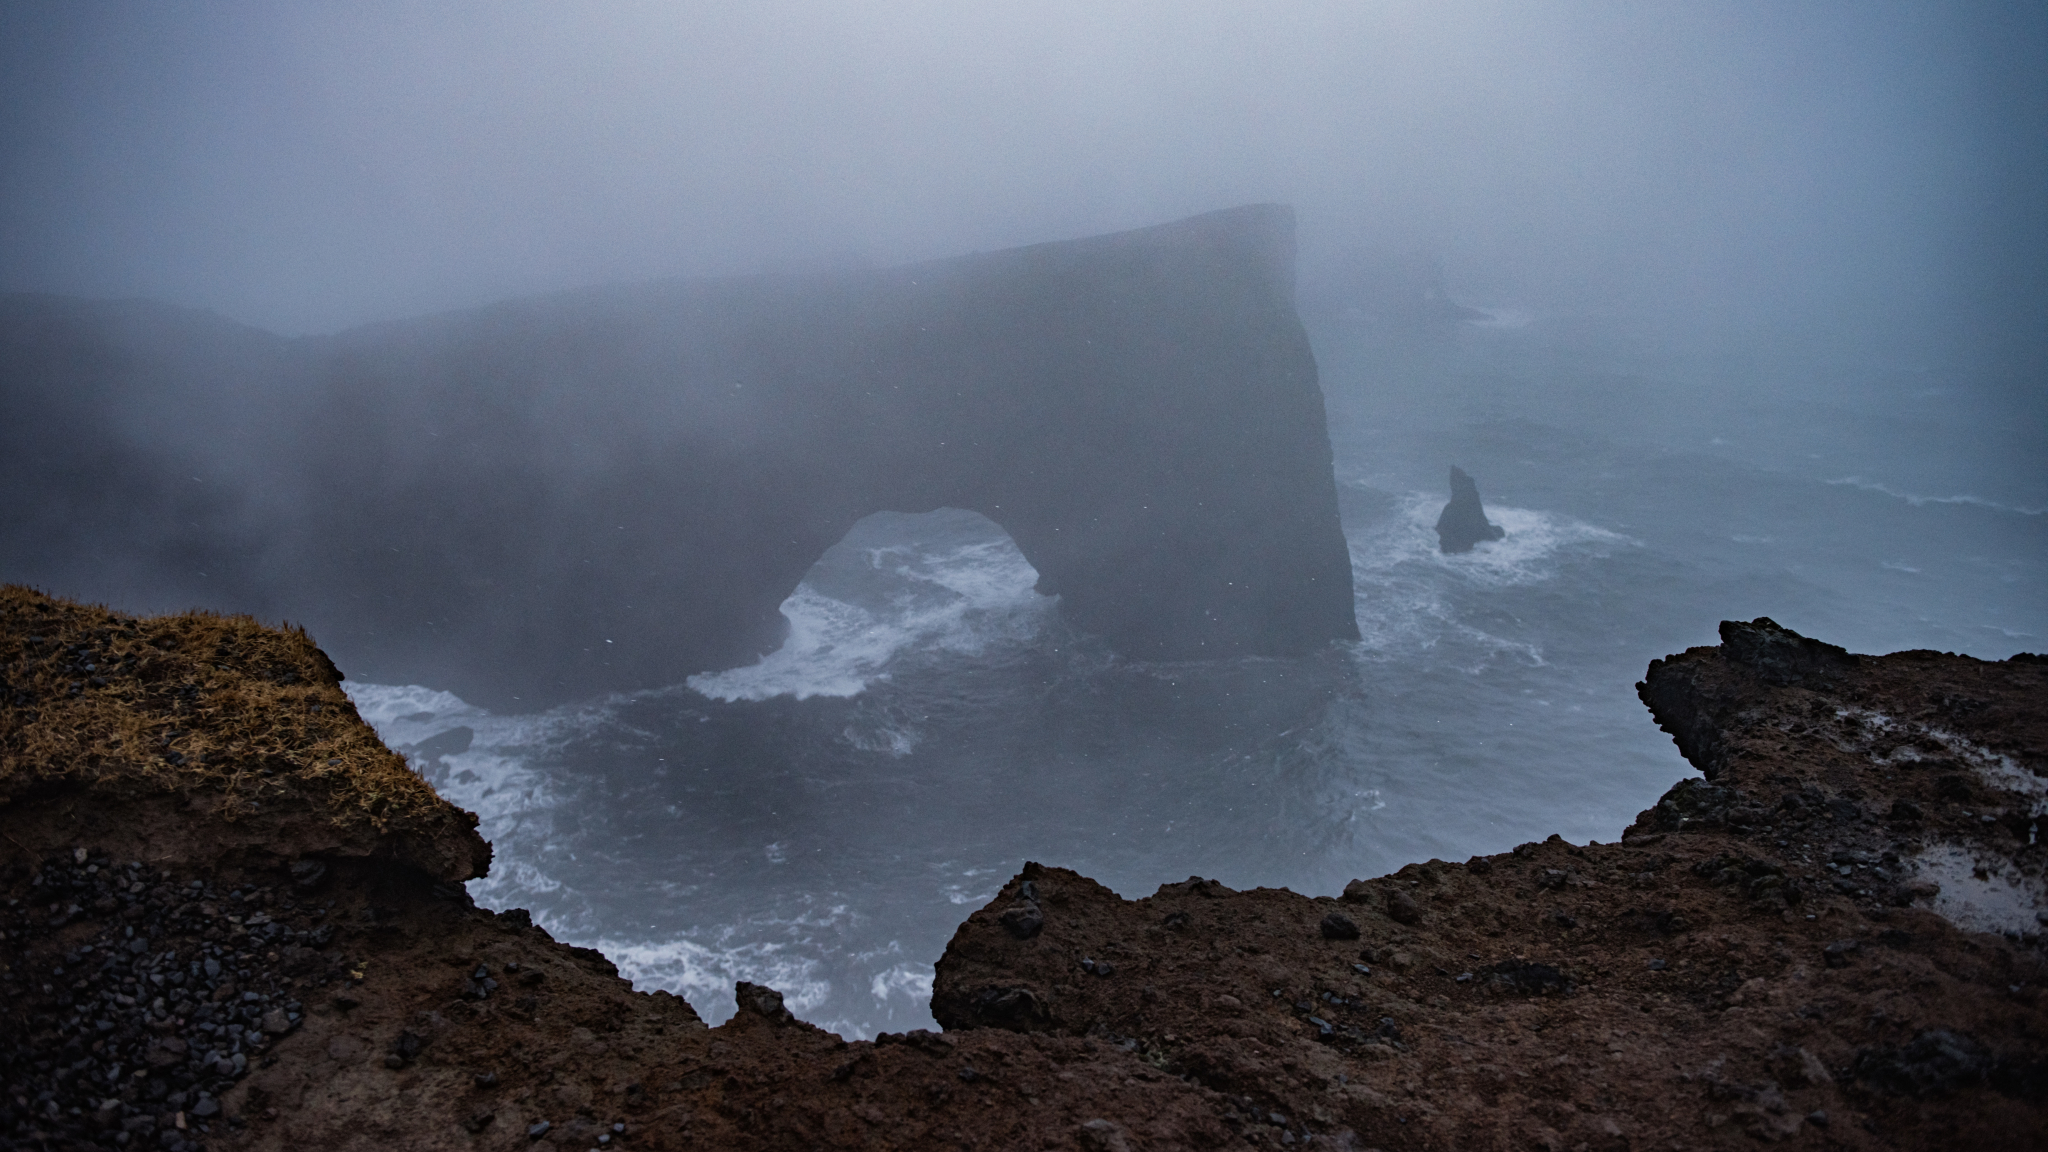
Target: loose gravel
{"x":136,"y":997}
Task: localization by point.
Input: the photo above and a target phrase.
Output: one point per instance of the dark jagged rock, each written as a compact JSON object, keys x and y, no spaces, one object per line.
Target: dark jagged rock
{"x":616,"y":488}
{"x":1463,"y":522}
{"x":1780,"y":654}
{"x":1773,"y":961}
{"x":1758,"y":955}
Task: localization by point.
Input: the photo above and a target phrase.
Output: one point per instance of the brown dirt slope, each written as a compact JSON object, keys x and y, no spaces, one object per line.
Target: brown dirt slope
{"x":1829,"y":943}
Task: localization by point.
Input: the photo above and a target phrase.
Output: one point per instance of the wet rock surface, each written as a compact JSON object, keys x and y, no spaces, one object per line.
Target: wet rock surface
{"x":1782,"y":952}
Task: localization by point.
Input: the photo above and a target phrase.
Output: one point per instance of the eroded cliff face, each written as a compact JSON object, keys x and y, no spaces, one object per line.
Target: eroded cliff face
{"x":616,"y":488}
{"x":1832,"y":942}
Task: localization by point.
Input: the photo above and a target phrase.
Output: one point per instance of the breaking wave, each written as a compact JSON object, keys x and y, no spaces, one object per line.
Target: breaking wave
{"x":1407,"y":587}
{"x":960,"y":587}
{"x":1918,"y":501}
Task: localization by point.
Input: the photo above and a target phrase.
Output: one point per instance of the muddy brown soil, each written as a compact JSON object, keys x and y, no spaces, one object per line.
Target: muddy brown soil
{"x":1830,"y":941}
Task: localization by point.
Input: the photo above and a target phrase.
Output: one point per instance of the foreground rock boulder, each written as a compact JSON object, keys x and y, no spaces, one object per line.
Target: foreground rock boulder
{"x":232,"y":921}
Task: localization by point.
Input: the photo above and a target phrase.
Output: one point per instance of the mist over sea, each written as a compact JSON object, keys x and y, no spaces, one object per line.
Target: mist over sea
{"x":821,"y":821}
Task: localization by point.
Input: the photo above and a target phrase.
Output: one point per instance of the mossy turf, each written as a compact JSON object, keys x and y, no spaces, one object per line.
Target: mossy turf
{"x":190,"y":703}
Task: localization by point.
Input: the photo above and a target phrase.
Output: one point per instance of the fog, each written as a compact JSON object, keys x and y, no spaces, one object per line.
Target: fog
{"x":1729,"y":309}
{"x":1842,"y":169}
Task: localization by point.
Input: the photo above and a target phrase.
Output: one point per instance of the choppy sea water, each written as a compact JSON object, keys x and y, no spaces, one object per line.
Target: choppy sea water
{"x":821,"y":821}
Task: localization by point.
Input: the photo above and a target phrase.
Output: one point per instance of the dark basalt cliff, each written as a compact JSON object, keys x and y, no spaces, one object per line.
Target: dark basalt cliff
{"x":228,"y":923}
{"x":616,"y":488}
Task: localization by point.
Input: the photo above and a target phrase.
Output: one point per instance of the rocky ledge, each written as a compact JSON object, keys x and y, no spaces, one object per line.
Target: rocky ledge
{"x":231,"y":919}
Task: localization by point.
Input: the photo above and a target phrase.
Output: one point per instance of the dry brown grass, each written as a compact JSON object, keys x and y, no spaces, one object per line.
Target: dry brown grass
{"x":187,"y":703}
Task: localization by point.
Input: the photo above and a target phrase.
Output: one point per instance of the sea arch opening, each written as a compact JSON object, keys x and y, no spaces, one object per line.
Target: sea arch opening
{"x":896,"y":584}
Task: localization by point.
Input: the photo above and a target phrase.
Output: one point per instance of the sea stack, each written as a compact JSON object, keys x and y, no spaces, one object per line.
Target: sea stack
{"x":1464,"y":522}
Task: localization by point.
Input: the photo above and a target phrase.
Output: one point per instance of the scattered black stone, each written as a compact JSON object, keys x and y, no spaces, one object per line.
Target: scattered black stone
{"x":1402,"y":907}
{"x":481,"y":984}
{"x":136,"y":998}
{"x":1840,"y":953}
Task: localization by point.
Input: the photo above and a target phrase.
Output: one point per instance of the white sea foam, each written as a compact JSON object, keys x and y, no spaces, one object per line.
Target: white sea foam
{"x":517,"y":807}
{"x":704,"y":973}
{"x":862,"y":607}
{"x":1917,"y":500}
{"x":911,"y":981}
{"x":1405,"y":582}
{"x":896,"y":740}
{"x":515,"y":803}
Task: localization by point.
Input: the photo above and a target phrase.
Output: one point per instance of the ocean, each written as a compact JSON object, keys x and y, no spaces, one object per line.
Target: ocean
{"x":822,"y":820}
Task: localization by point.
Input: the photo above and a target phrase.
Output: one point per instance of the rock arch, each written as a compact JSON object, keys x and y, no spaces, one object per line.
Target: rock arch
{"x":617,"y":487}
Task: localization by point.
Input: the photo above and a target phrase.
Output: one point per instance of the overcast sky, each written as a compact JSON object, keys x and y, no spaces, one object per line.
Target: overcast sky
{"x":307,"y":167}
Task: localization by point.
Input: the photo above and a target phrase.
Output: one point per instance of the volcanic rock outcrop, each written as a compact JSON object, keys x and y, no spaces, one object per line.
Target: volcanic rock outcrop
{"x":1463,"y":521}
{"x":230,"y":921}
{"x":615,"y":488}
